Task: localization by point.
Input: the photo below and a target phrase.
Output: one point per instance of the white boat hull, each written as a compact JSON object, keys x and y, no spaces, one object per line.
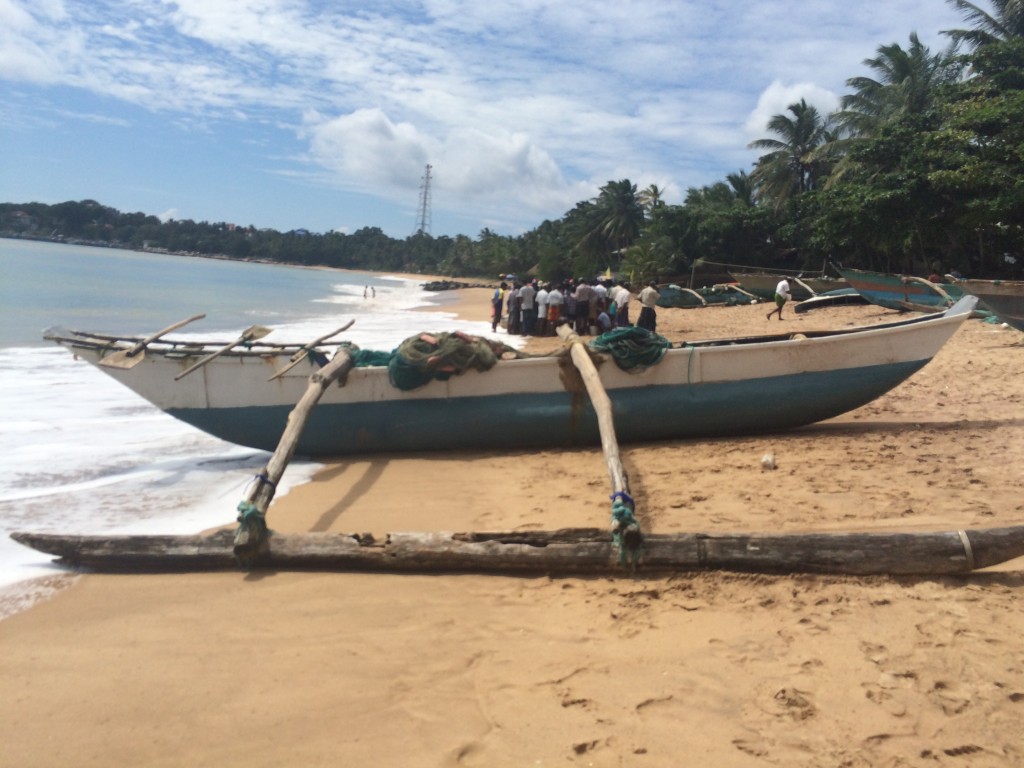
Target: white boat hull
{"x":735,"y":387}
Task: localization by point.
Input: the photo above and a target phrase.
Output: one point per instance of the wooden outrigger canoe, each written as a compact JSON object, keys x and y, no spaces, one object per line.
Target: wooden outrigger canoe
{"x":244,"y":394}
{"x":762,"y":284}
{"x":567,"y":551}
{"x":1005,"y":298}
{"x":902,"y":292}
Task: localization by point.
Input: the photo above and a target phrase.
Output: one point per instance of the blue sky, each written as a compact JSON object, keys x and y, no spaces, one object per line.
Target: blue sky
{"x":323,"y":114}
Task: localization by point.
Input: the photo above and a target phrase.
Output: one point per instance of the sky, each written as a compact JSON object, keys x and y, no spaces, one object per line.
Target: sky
{"x":324,"y":114}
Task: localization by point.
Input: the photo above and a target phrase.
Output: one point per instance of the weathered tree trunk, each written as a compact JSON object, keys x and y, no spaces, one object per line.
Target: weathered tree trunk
{"x":568,"y":551}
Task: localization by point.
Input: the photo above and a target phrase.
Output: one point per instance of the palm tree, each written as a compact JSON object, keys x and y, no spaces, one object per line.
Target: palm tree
{"x":793,"y":164}
{"x":1005,"y":24}
{"x":620,"y":216}
{"x":743,"y":190}
{"x":906,"y":85}
{"x":650,"y":198}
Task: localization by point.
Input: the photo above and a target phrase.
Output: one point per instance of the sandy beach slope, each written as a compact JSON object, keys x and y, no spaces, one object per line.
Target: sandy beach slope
{"x":711,"y":669}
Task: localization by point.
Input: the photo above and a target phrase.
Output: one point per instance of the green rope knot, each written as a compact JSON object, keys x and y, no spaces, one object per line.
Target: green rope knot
{"x":626,"y":533}
{"x":252,"y":536}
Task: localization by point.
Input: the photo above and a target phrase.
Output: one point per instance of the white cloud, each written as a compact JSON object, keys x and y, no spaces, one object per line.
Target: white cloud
{"x":777,"y":97}
{"x":368,"y":149}
{"x":524,"y":107}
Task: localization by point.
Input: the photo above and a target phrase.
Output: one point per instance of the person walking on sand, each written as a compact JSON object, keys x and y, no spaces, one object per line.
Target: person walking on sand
{"x":648,"y":300}
{"x":781,"y":297}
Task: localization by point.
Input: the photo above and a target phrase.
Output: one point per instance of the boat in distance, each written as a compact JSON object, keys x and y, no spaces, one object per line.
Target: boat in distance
{"x":1005,"y":298}
{"x":244,"y":394}
{"x":902,"y":292}
{"x":763,"y":284}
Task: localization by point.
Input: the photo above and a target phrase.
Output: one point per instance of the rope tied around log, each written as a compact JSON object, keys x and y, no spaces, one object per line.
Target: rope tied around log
{"x":252,"y":528}
{"x":626,"y":534}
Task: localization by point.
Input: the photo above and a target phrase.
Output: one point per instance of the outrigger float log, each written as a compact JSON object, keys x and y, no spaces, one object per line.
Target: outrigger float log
{"x":563,"y":552}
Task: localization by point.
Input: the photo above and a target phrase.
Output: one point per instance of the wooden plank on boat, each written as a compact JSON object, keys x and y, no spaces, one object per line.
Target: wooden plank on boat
{"x":567,"y":551}
{"x":251,"y":333}
{"x":303,"y":353}
{"x":129,"y":358}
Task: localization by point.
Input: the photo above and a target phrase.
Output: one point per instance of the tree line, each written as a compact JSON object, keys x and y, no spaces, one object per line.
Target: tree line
{"x":921,"y":168}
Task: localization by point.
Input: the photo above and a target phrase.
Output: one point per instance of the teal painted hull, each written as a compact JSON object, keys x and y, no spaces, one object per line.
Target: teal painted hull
{"x":557,"y":420}
{"x":893,"y":292}
{"x":698,"y":389}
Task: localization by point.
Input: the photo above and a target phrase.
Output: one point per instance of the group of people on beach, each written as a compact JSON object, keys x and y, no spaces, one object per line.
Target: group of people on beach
{"x":589,"y":307}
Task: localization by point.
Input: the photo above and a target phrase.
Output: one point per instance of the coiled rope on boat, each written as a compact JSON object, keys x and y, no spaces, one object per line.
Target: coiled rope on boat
{"x":632,"y":348}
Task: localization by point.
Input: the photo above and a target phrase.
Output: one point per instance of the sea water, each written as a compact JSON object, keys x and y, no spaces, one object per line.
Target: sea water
{"x":83,"y":454}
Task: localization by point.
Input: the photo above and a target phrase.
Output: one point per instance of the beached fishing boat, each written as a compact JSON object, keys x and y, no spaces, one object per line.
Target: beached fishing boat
{"x":566,"y":551}
{"x":1005,"y":298}
{"x":762,"y":284}
{"x":720,"y":294}
{"x":902,"y":292}
{"x":843,"y":297}
{"x":243,"y":391}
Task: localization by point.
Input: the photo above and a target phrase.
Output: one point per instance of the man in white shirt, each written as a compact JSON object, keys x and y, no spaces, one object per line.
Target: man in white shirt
{"x":529,"y":309}
{"x":555,"y":301}
{"x":542,"y":310}
{"x":621,"y":296}
{"x":781,"y":297}
{"x":648,"y":299}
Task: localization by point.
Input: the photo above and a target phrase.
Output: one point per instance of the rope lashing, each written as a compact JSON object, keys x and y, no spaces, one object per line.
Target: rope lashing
{"x":316,"y":357}
{"x":626,"y":534}
{"x":264,"y":480}
{"x":254,"y":521}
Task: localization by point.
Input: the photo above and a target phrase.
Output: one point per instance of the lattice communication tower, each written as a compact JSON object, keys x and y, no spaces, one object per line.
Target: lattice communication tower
{"x":423,"y":227}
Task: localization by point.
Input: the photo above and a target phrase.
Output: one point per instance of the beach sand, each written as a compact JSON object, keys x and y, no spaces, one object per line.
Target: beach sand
{"x":708,"y":669}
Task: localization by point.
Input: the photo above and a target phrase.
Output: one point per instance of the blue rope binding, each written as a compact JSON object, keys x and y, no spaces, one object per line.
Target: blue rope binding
{"x":626,"y":534}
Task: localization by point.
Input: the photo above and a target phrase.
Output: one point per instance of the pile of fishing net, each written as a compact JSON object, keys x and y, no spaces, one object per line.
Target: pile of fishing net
{"x":632,"y":348}
{"x":425,"y":357}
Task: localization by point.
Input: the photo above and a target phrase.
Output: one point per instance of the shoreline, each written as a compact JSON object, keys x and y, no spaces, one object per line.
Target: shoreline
{"x":500,"y":671}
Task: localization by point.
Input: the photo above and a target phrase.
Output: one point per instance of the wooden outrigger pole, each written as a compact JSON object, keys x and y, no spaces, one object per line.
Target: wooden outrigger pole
{"x":625,"y":528}
{"x":251,"y":538}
